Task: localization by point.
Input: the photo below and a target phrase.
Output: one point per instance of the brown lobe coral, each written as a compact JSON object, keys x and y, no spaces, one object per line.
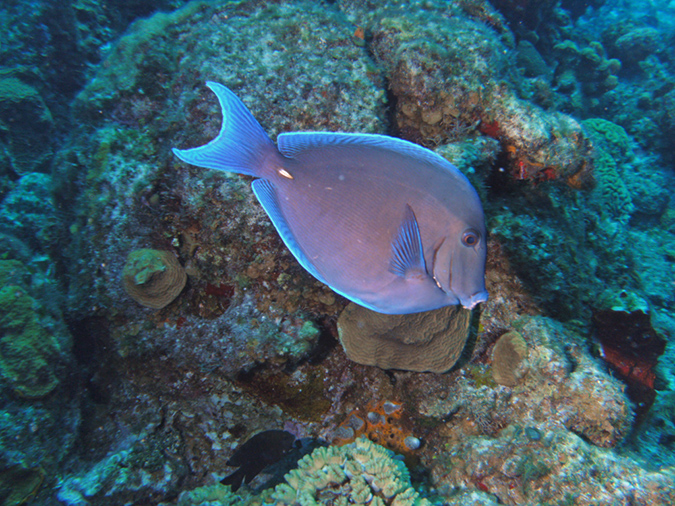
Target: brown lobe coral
{"x":428,"y":341}
{"x":507,"y":355}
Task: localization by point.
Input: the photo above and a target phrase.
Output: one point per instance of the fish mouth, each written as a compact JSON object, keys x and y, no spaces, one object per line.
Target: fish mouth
{"x":474,"y":300}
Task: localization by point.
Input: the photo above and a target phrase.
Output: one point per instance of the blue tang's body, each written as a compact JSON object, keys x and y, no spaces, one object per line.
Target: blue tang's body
{"x":388,"y":224}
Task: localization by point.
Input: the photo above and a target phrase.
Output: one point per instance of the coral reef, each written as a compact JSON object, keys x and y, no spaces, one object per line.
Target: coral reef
{"x":153,"y":278}
{"x":564,"y":388}
{"x":630,"y":42}
{"x":585,"y":69}
{"x":624,"y":182}
{"x":33,"y":342}
{"x":654,"y":439}
{"x":39,"y":396}
{"x":429,"y":341}
{"x":360,"y":473}
{"x":527,"y":102}
{"x":451,"y":65}
{"x":213,"y":495}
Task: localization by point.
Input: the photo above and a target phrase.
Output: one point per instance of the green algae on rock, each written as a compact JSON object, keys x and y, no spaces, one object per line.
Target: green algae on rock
{"x":153,"y":278}
{"x":26,"y":347}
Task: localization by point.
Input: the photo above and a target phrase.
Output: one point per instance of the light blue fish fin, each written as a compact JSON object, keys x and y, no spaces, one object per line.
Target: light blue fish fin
{"x":241,"y":146}
{"x":294,"y":143}
{"x":267,"y":196}
{"x":407,"y":257}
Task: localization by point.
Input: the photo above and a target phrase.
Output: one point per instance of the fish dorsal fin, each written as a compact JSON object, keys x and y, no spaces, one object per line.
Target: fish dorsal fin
{"x":267,"y":196}
{"x":294,"y":143}
{"x":407,"y":257}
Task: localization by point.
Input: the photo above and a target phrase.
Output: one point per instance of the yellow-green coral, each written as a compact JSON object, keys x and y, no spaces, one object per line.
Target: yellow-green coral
{"x":358,"y":473}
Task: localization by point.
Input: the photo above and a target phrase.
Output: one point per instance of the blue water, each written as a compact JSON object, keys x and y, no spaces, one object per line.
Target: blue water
{"x":560,"y":113}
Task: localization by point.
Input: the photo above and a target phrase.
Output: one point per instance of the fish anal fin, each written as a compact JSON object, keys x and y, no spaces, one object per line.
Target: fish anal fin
{"x":267,"y":196}
{"x":407,"y":254}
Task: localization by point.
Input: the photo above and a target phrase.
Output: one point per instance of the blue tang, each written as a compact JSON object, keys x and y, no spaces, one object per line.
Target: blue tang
{"x":384,"y":222}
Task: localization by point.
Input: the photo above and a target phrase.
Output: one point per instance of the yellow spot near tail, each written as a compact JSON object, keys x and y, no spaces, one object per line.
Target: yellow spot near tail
{"x":285,"y":173}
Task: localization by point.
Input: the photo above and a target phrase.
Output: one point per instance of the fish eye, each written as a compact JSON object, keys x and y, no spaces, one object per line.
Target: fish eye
{"x":470,"y":238}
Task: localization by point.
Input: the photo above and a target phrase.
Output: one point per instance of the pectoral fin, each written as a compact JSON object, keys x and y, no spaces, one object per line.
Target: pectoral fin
{"x":407,"y":257}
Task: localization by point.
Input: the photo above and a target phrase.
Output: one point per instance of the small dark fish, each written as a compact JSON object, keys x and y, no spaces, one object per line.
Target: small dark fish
{"x":388,"y":224}
{"x":262,"y":450}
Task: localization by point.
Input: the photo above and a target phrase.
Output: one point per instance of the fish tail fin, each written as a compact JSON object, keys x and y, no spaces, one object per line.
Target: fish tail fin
{"x":234,"y":480}
{"x":242,"y":145}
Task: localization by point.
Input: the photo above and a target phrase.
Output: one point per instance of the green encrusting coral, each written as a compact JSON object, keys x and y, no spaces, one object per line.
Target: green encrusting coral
{"x":361,"y":472}
{"x":25,"y":346}
{"x":616,"y":199}
{"x":611,"y":144}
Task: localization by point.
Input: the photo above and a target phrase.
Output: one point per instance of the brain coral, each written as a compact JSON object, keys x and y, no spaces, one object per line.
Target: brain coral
{"x":153,"y":278}
{"x":358,"y":473}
